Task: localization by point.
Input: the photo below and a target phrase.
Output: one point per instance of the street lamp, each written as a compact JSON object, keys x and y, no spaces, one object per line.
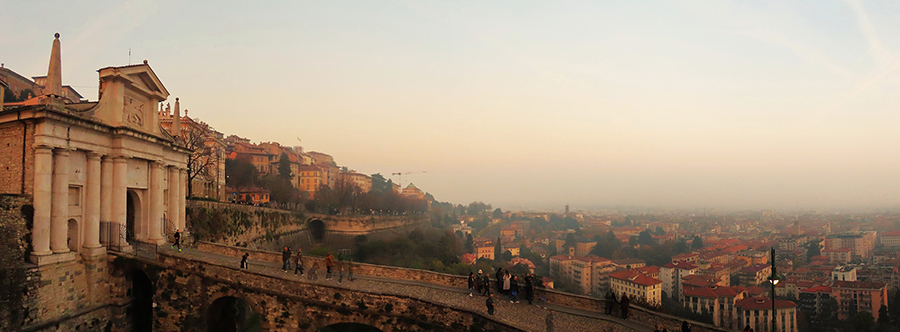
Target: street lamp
{"x":774,"y":279}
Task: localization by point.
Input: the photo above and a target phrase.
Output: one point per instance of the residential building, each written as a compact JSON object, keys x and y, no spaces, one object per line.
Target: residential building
{"x":754,"y":275}
{"x":837,"y":256}
{"x":860,"y":244}
{"x":206,"y":165}
{"x":715,"y":300}
{"x":671,"y":275}
{"x":590,"y":275}
{"x":890,"y":239}
{"x":358,"y":180}
{"x":629,"y":263}
{"x":636,"y":285}
{"x":484,"y":249}
{"x":248,"y":195}
{"x":757,"y":313}
{"x":865,"y":295}
{"x":311,"y":179}
{"x":583,"y":248}
{"x":813,"y":299}
{"x":843,"y":273}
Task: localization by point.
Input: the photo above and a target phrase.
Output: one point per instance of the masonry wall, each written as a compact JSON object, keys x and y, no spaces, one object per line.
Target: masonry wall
{"x":16,"y":151}
{"x":236,"y":224}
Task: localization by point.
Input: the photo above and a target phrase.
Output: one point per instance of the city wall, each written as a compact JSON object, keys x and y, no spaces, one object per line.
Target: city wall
{"x":640,"y":314}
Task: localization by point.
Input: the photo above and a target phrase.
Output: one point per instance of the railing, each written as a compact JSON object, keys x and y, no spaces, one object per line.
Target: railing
{"x":113,"y":235}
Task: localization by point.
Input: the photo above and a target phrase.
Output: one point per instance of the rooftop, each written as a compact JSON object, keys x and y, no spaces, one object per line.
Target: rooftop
{"x":763,"y":303}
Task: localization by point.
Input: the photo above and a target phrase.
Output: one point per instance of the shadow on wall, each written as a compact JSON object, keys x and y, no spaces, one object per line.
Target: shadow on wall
{"x":231,"y":314}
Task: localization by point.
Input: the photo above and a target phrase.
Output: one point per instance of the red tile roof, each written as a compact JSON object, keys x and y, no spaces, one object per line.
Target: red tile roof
{"x":891,"y":233}
{"x":635,"y":277}
{"x":684,"y":265}
{"x":858,"y":284}
{"x":762,"y":303}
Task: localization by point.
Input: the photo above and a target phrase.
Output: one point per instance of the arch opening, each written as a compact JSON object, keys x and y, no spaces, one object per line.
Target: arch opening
{"x":317,"y":229}
{"x":232,"y":314}
{"x":349,"y":327}
{"x":141,"y":310}
{"x":72,"y":235}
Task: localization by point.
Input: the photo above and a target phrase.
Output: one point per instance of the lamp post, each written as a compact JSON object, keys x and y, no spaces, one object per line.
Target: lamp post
{"x":774,"y":279}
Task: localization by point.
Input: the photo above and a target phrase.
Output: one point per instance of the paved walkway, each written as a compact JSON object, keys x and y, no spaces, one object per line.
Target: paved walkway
{"x":521,"y":315}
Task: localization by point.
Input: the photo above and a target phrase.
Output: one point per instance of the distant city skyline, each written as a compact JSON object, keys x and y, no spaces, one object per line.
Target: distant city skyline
{"x":687,"y":105}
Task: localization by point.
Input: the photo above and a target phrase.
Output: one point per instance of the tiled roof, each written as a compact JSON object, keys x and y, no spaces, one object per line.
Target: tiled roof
{"x":755,"y":268}
{"x":762,"y":303}
{"x":684,"y":265}
{"x":635,"y":277}
{"x":858,"y":284}
{"x":891,"y":233}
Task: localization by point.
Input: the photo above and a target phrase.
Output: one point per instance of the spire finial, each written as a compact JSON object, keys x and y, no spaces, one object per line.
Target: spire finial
{"x":145,"y":61}
{"x":56,"y":35}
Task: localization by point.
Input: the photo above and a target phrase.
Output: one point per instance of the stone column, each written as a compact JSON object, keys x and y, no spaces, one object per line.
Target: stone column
{"x":182,"y":192}
{"x":43,"y":179}
{"x":59,"y":211}
{"x":119,"y":200}
{"x":173,"y":200}
{"x":91,"y":218}
{"x":156,"y":204}
{"x":106,"y":185}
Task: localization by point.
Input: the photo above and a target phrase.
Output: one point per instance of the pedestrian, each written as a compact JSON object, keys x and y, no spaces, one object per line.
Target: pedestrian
{"x":285,"y":259}
{"x":471,"y":282}
{"x":610,"y":300}
{"x":177,"y":240}
{"x":686,"y":327}
{"x":329,"y":262}
{"x":244,"y":262}
{"x":298,"y":262}
{"x":314,"y":271}
{"x":490,"y":304}
{"x":486,"y":287}
{"x":529,"y":287}
{"x":350,"y":270}
{"x":499,"y":281}
{"x":478,"y":282}
{"x":340,"y":267}
{"x":506,"y":278}
{"x":549,"y":321}
{"x":514,"y":290}
{"x":624,"y":304}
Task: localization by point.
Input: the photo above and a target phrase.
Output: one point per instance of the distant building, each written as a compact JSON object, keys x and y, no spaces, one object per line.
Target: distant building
{"x":890,"y":239}
{"x":754,"y":275}
{"x":861,"y":244}
{"x":813,"y":299}
{"x":757,"y":313}
{"x":865,"y":295}
{"x":590,"y":275}
{"x":671,"y":275}
{"x":311,"y":179}
{"x":636,"y":285}
{"x":629,"y":263}
{"x":843,"y":273}
{"x":717,"y":301}
{"x":837,"y":256}
{"x":411,"y":191}
{"x":583,"y":248}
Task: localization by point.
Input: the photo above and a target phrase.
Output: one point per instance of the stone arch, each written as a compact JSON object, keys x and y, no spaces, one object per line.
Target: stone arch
{"x":231,"y":313}
{"x":141,"y":311}
{"x":317,"y":230}
{"x":73,"y":237}
{"x":133,"y":215}
{"x":349,"y":327}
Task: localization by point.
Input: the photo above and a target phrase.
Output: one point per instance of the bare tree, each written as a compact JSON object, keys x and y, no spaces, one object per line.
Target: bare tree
{"x":204,"y":160}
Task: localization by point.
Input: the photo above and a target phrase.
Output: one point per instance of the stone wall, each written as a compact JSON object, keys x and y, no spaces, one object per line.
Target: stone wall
{"x":554,"y":297}
{"x":13,"y":252}
{"x":186,"y":289}
{"x":13,"y":155}
{"x":236,"y":224}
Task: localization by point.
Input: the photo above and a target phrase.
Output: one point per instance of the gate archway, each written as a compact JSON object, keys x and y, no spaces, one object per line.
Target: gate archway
{"x":317,"y":230}
{"x":132,"y":216}
{"x":232,"y":314}
{"x":141,"y":310}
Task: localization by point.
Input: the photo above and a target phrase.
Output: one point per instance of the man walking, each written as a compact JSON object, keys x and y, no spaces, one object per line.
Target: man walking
{"x":177,"y":240}
{"x":244,"y":263}
{"x":499,"y":280}
{"x":490,"y":304}
{"x":285,"y":259}
{"x":298,"y":262}
{"x":486,"y":285}
{"x":624,"y":304}
{"x":471,"y":281}
{"x":350,"y":270}
{"x":514,"y":290}
{"x":529,"y":287}
{"x":478,"y":283}
{"x":329,"y":262}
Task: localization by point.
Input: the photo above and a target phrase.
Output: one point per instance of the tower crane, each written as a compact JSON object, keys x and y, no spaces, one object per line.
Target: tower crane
{"x":401,"y":174}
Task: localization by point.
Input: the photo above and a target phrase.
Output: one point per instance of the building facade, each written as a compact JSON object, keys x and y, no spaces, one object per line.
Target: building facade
{"x":757,"y":313}
{"x":637,"y":286}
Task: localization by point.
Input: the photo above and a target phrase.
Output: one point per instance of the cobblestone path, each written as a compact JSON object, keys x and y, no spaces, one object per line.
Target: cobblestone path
{"x":521,"y":315}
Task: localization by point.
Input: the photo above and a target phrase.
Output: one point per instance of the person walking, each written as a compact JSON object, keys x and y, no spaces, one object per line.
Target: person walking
{"x":486,"y":285}
{"x":610,"y":302}
{"x":478,"y":282}
{"x":340,"y":268}
{"x":314,"y":271}
{"x":624,"y":304}
{"x":244,"y":262}
{"x":529,"y":287}
{"x":177,"y":240}
{"x":350,"y":270}
{"x":490,"y":304}
{"x":499,"y":280}
{"x":549,"y":321}
{"x":471,"y":282}
{"x":285,"y":259}
{"x":514,"y":290}
{"x":329,"y":262}
{"x":298,"y":262}
{"x":686,"y":327}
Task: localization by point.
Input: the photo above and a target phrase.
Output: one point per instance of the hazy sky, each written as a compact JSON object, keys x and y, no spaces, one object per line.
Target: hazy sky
{"x":526,"y":104}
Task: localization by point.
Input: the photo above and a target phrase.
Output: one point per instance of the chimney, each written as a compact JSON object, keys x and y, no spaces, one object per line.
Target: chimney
{"x":176,"y":121}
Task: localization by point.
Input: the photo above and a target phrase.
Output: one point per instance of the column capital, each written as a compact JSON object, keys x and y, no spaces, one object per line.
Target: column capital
{"x":93,"y":155}
{"x":41,"y":148}
{"x":157,"y":164}
{"x":120,"y":158}
{"x":62,"y":151}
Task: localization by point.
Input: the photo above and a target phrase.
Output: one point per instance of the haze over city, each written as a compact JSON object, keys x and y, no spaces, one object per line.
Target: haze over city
{"x":522,"y":104}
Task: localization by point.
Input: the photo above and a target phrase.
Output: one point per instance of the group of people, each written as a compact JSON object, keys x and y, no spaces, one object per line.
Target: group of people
{"x":330,"y":264}
{"x":623,"y":303}
{"x":685,"y":327}
{"x":507,"y":284}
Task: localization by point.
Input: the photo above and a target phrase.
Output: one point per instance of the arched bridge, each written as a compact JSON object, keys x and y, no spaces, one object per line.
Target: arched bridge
{"x":204,"y":290}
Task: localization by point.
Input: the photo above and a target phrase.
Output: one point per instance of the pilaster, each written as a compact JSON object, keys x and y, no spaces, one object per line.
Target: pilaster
{"x":59,"y":211}
{"x":43,"y":180}
{"x":119,"y":204}
{"x":155,"y":224}
{"x":91,"y":246}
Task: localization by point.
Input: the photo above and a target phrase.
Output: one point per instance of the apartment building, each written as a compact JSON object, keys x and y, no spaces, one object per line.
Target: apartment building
{"x":757,"y":313}
{"x":671,"y":275}
{"x":860,"y":244}
{"x":865,"y":295}
{"x":636,"y":285}
{"x":718,"y":301}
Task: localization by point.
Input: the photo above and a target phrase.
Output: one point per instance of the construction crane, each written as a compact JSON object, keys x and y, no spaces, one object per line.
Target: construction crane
{"x":401,"y":174}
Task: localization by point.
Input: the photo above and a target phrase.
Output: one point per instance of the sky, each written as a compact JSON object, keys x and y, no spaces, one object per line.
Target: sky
{"x":526,"y":104}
